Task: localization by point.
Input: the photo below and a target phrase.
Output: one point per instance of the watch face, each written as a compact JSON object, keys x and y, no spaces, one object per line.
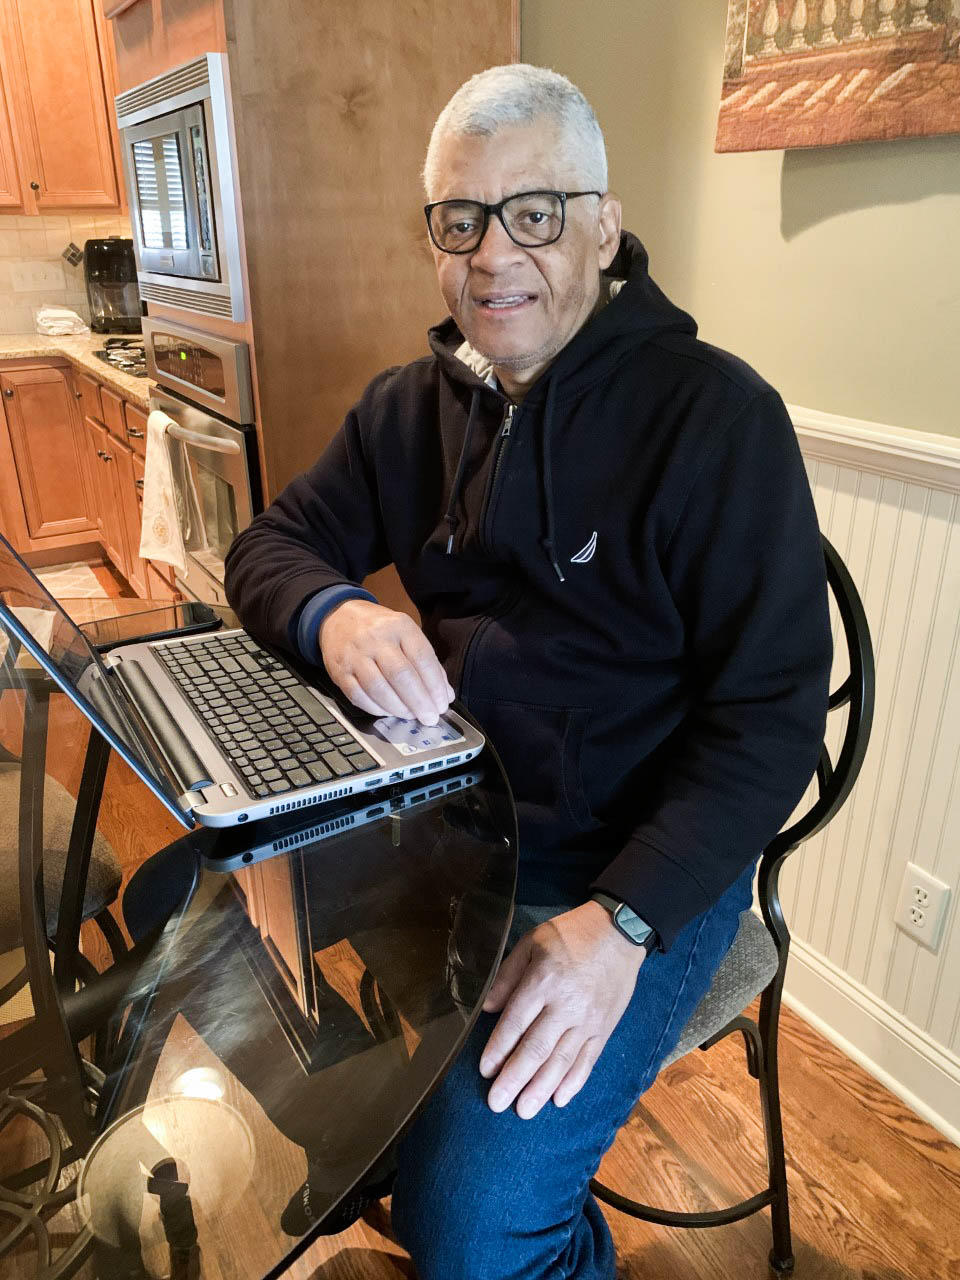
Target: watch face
{"x":630,"y":924}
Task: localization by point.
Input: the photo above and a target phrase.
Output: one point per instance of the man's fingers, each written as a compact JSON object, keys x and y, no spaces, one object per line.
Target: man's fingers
{"x":536,"y":1044}
{"x":579,"y":1073}
{"x":511,"y":970}
{"x":379,"y":689}
{"x":562,"y":1060}
{"x":352,"y":689}
{"x":419,"y":650}
{"x":404,"y":679}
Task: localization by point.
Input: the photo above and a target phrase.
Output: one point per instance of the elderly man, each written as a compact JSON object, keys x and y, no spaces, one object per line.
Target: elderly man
{"x":607,"y":529}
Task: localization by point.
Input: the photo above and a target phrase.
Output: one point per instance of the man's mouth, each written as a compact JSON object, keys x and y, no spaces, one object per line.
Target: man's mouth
{"x":504,"y":302}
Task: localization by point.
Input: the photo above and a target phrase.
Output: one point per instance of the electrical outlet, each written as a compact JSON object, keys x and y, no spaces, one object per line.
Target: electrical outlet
{"x":36,"y":277}
{"x":922,"y":906}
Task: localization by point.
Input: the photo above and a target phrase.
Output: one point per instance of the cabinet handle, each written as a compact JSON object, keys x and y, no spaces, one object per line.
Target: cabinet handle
{"x":8,"y":392}
{"x":101,"y":454}
{"x":139,"y":484}
{"x":78,"y":394}
{"x":137,"y":435}
{"x":34,"y":186}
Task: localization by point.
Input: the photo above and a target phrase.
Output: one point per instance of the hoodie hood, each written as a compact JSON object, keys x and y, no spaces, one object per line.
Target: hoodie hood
{"x":634,"y":310}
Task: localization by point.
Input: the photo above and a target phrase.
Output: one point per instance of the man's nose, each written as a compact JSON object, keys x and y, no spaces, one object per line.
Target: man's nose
{"x":496,"y":249}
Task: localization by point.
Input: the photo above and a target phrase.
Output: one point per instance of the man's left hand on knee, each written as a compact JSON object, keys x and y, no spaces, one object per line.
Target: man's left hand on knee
{"x":560,"y":993}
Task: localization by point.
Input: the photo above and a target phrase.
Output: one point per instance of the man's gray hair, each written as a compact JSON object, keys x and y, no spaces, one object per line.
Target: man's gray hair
{"x":518,"y":94}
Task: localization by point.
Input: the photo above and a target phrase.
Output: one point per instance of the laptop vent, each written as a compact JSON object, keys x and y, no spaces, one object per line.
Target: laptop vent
{"x":300,"y":804}
{"x":313,"y":833}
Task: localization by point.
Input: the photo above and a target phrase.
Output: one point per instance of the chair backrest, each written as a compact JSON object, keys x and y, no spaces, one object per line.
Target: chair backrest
{"x":835,"y":778}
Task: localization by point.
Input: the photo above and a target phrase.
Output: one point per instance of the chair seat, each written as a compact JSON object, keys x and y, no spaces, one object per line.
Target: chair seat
{"x":745,"y":970}
{"x":103,"y":879}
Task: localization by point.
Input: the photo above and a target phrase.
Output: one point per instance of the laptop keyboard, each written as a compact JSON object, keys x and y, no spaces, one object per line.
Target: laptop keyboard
{"x":274,"y":732}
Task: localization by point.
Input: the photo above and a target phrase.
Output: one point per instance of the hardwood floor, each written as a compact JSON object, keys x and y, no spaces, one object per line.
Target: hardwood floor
{"x":875,"y":1192}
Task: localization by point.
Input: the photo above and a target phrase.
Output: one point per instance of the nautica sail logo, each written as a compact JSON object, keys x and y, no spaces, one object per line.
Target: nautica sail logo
{"x":586,"y":553}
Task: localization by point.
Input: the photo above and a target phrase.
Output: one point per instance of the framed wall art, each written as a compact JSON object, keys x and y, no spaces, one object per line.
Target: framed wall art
{"x":813,"y":73}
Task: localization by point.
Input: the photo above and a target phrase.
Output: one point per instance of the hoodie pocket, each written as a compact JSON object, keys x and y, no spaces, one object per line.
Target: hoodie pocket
{"x":540,"y":747}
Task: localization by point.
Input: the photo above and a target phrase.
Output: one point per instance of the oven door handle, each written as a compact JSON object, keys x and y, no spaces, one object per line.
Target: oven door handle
{"x":213,"y":443}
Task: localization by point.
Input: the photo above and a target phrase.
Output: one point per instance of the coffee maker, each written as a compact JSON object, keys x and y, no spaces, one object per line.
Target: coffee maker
{"x":110,"y":273}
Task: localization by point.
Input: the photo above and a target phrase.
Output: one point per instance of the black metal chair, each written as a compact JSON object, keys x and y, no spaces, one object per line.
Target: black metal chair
{"x":757,"y":961}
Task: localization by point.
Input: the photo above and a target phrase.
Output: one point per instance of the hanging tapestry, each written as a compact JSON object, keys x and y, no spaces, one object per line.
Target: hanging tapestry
{"x":812,"y":73}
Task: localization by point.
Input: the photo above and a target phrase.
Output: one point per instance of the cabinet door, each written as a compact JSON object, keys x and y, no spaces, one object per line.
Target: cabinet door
{"x":11,"y":185}
{"x":63,"y":105}
{"x":136,"y":573}
{"x":108,"y":492}
{"x":41,"y":418}
{"x":88,"y":393}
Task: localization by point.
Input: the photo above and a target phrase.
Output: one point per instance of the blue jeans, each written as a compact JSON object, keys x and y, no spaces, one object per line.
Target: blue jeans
{"x":486,"y":1196}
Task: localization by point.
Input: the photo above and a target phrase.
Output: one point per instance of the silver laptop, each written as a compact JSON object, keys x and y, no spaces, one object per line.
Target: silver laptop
{"x":219,"y":728}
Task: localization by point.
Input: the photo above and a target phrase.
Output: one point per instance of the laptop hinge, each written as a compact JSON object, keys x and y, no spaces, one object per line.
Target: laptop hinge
{"x":186,"y":765}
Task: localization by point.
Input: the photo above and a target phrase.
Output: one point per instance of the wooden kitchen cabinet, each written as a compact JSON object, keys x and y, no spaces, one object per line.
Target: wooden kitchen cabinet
{"x":58,"y":75}
{"x":103,"y":459}
{"x":136,"y":569}
{"x":48,"y":481}
{"x":11,"y":183}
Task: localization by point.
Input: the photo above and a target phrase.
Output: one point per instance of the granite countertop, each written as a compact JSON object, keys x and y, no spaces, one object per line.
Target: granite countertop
{"x":78,"y":349}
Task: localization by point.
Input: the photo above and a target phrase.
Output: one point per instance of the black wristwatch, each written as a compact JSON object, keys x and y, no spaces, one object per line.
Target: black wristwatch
{"x":627,"y":921}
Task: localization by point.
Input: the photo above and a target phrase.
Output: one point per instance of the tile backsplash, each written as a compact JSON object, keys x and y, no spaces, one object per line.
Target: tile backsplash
{"x":42,"y":240}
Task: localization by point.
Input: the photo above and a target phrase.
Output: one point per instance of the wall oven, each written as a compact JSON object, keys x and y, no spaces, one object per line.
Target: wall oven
{"x":204,"y":389}
{"x":176,"y":135}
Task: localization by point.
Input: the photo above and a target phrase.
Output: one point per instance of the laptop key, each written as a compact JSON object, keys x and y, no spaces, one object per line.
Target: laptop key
{"x":341,"y":739}
{"x":318,"y":771}
{"x":363,"y":761}
{"x":353,"y":749}
{"x":317,"y":712}
{"x":335,"y":761}
{"x":280,"y":785}
{"x":271,"y":775}
{"x":299,"y":777}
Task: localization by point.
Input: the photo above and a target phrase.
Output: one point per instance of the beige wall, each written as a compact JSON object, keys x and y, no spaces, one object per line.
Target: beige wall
{"x":835,"y":272}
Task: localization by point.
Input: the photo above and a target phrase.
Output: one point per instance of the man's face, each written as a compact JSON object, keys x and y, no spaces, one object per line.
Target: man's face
{"x":519,"y":307}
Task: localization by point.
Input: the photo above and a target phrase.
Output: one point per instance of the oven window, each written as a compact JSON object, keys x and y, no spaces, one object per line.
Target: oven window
{"x":158,"y":165}
{"x":218,"y":509}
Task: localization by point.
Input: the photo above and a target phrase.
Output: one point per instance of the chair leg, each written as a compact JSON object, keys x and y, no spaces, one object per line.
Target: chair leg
{"x":782,"y":1260}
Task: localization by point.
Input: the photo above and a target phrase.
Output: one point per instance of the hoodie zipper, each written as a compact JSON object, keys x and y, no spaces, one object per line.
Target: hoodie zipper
{"x":506,"y":430}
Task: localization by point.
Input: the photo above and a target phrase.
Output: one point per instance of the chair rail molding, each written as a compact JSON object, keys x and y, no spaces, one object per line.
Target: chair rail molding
{"x":888,"y":498}
{"x":918,"y":456}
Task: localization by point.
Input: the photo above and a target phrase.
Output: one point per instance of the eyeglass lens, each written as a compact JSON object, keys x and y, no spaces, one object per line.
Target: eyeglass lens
{"x":531,"y":219}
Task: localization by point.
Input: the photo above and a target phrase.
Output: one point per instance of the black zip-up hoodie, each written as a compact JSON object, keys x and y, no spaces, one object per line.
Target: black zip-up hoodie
{"x":622,"y":577}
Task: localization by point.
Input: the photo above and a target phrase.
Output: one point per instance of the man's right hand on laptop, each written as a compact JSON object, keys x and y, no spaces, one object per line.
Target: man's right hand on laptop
{"x":383,"y":662}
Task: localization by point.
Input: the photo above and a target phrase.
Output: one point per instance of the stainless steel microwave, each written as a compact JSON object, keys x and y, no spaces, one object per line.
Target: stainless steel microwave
{"x":176,"y":134}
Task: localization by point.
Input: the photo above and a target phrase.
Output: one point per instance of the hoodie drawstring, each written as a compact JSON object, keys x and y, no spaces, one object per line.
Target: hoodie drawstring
{"x":546,"y":468}
{"x":450,"y":515}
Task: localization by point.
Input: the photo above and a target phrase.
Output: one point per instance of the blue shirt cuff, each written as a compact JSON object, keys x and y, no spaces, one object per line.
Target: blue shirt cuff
{"x":316,"y":609}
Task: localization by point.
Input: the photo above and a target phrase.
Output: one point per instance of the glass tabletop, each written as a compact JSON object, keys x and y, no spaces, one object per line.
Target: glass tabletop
{"x":295,"y":990}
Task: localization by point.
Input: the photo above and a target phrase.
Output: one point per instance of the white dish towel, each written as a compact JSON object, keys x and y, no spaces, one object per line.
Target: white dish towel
{"x":171,"y":509}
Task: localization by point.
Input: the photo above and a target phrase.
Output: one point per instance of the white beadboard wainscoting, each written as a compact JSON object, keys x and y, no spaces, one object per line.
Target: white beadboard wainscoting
{"x":888,"y":500}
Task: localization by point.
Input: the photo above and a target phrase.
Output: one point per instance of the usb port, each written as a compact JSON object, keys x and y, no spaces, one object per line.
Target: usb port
{"x":454,"y":760}
{"x":436,"y":764}
{"x":416,"y":768}
{"x":396,"y":776}
{"x":435,"y":791}
{"x":376,"y":811}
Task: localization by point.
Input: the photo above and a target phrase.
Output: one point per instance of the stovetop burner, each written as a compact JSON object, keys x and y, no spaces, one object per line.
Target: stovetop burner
{"x":125,"y":354}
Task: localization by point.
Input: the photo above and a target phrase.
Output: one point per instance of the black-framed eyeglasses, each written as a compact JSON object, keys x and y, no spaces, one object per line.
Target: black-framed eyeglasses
{"x":531,"y":219}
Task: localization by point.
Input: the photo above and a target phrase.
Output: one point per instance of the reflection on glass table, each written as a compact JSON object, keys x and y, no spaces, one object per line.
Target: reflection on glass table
{"x":294,"y":991}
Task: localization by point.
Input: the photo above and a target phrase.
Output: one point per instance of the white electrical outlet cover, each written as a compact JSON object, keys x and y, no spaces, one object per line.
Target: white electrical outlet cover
{"x":36,"y":277}
{"x":922,"y":906}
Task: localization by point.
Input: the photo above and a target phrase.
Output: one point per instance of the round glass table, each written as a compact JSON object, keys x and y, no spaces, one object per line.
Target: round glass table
{"x":294,"y":991}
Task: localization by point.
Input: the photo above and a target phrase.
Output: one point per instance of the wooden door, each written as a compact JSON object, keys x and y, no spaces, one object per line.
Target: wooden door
{"x":63,"y":104}
{"x":11,"y":181}
{"x":136,"y":573}
{"x":47,"y":451}
{"x":108,"y":490}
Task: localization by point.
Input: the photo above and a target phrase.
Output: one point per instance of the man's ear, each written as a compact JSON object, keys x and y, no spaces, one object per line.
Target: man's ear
{"x":610,"y":219}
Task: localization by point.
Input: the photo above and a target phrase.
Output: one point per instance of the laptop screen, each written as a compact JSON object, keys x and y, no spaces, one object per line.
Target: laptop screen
{"x":32,"y":618}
